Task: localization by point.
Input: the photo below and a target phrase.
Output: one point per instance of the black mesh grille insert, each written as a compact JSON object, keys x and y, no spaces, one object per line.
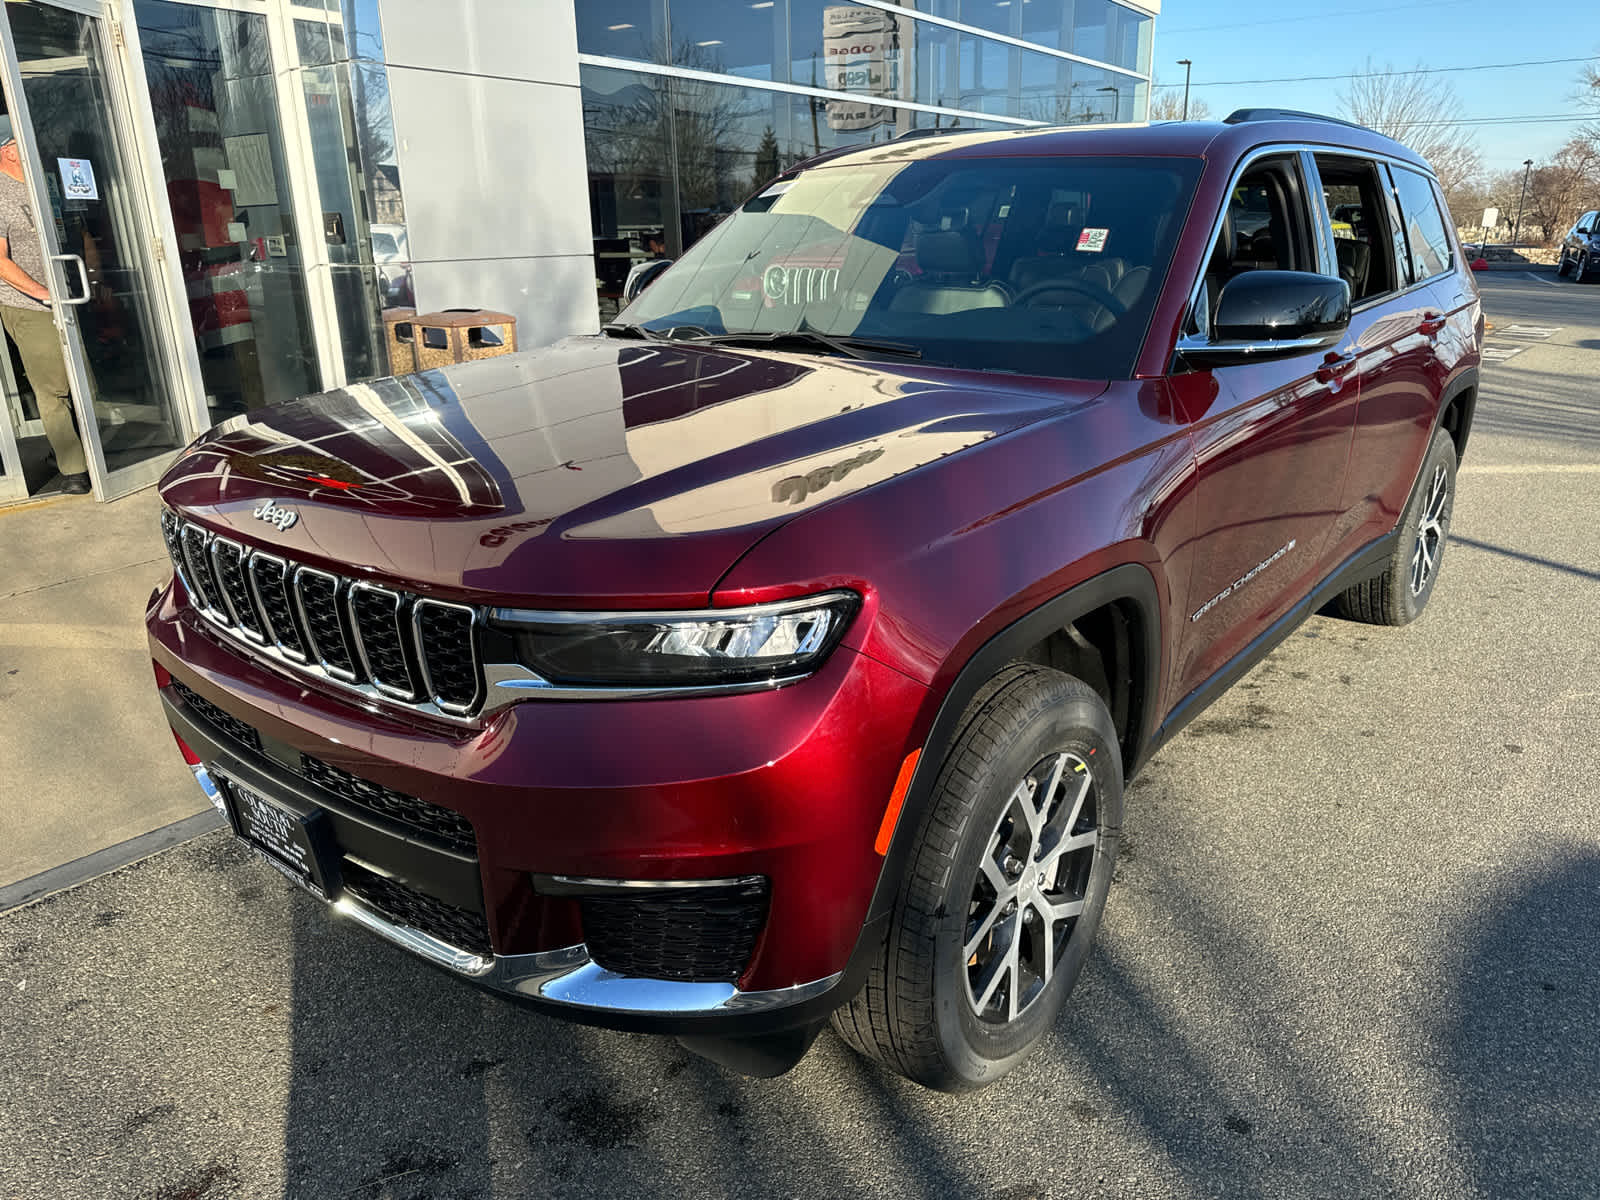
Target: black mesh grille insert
{"x":377,"y":615}
{"x":319,"y":600}
{"x":271,"y":576}
{"x":228,"y":560}
{"x":442,"y":826}
{"x":447,"y":649}
{"x":238,"y":730}
{"x":199,"y":567}
{"x":404,"y":906}
{"x":699,"y":935}
{"x":170,"y":526}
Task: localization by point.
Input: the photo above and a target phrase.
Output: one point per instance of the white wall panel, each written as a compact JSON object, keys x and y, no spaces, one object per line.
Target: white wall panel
{"x":550,"y":297}
{"x":490,"y":167}
{"x":514,"y":39}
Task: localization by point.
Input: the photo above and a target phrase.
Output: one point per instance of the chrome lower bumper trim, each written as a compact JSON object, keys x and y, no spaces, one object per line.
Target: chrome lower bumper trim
{"x":569,"y":977}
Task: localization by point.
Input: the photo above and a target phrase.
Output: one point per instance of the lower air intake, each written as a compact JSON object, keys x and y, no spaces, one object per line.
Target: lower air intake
{"x":697,"y":935}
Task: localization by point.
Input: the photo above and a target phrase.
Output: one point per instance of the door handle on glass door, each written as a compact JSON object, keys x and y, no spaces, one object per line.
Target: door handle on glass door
{"x":1432,"y":323}
{"x":83,"y":276}
{"x":1336,"y":366}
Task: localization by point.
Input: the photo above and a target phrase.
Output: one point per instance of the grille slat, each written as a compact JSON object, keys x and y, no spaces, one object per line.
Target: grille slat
{"x":380,"y":642}
{"x":198,"y":576}
{"x":449,"y":657}
{"x":318,"y":593}
{"x":375,"y":615}
{"x":270,"y":576}
{"x":405,"y":906}
{"x":227,"y":561}
{"x":699,"y":935}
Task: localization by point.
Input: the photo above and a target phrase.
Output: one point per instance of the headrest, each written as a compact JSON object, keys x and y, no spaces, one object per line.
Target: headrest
{"x":1060,"y":216}
{"x":947,"y":253}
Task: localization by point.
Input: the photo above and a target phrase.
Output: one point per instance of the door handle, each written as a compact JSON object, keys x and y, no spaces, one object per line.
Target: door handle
{"x":1432,"y":323}
{"x":83,"y":276}
{"x":1336,"y":366}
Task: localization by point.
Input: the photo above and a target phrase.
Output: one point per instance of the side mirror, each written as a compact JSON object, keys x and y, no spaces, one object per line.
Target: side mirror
{"x":641,"y":277}
{"x":1267,"y":314}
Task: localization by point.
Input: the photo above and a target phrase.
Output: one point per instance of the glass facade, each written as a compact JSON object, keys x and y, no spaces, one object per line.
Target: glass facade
{"x":671,"y":152}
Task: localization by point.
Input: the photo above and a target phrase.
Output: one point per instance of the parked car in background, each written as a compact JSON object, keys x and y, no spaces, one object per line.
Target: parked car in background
{"x":1580,"y":249}
{"x":781,"y":654}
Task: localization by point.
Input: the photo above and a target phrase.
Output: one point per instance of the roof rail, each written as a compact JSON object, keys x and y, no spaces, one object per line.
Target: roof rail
{"x":1240,"y":115}
{"x":927,"y":131}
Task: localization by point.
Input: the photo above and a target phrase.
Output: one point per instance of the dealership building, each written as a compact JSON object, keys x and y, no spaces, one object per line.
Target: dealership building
{"x":238,"y":190}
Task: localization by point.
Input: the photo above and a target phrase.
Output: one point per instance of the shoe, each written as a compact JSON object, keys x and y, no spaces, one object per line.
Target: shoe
{"x":74,"y":485}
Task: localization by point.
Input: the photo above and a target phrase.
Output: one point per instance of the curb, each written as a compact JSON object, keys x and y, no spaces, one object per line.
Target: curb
{"x":103,"y":862}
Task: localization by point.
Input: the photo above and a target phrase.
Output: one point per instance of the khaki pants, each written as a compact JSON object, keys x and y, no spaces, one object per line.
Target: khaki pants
{"x":34,"y":332}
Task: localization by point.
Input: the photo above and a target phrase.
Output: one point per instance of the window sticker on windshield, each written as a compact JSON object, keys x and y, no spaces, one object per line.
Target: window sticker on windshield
{"x":1092,"y":241}
{"x":778,"y":189}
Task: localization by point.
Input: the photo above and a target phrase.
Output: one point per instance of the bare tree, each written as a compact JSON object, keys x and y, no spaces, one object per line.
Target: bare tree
{"x":1420,"y":110}
{"x":1168,"y":106}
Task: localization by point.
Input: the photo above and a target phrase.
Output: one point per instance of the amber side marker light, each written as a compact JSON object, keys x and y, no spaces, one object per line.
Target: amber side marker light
{"x":897,"y":799}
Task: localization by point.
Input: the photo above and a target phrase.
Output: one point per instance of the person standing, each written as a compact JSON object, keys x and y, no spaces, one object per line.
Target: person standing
{"x":25,"y":312}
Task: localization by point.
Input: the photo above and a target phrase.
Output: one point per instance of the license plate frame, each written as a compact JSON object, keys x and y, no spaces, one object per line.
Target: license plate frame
{"x":297,"y":841}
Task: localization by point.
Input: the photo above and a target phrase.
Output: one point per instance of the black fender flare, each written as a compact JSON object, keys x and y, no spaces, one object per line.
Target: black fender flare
{"x":1466,"y":381}
{"x":1131,"y":584}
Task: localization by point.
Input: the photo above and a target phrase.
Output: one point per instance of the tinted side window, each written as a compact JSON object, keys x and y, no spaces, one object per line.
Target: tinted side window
{"x":1263,"y":228}
{"x":1359,"y":215}
{"x":1425,"y":231}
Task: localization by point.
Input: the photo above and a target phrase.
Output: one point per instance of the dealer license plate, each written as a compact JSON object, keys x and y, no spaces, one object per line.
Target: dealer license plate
{"x":299,"y":844}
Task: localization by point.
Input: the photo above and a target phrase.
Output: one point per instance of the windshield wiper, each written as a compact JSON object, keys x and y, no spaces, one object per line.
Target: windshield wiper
{"x":622,"y":329}
{"x":854,"y":347}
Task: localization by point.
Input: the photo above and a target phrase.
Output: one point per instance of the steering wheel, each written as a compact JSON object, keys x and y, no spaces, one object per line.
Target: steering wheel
{"x":1094,"y":291}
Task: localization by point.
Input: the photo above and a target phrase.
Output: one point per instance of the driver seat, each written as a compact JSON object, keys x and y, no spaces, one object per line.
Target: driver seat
{"x":950,"y":282}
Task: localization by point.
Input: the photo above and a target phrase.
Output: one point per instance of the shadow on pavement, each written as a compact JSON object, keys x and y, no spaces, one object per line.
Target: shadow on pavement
{"x":1521,"y":1051}
{"x":1543,"y":405}
{"x":1521,"y":556}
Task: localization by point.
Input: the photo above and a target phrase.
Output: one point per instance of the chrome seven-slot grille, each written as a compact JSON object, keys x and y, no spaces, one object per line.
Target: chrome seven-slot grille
{"x":410,"y":650}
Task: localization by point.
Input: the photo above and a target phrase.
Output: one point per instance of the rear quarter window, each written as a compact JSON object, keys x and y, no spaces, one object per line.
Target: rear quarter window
{"x":1427,"y":240}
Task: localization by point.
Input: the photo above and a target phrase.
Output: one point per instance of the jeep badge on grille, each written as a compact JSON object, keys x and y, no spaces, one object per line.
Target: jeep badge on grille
{"x":283,"y":518}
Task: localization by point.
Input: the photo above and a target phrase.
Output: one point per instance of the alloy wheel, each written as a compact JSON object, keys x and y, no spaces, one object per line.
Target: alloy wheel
{"x":1430,"y":533}
{"x":1030,"y":888}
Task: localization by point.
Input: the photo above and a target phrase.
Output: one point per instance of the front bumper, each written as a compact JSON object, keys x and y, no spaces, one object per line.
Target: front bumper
{"x":789,"y":786}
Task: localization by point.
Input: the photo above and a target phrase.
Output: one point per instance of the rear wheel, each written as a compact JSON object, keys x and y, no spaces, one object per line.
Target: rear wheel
{"x":1005,"y":889}
{"x":1398,"y":596}
{"x":1562,"y":264}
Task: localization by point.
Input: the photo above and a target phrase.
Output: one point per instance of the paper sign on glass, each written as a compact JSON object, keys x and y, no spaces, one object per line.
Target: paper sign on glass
{"x":1092,"y":241}
{"x":77,"y":179}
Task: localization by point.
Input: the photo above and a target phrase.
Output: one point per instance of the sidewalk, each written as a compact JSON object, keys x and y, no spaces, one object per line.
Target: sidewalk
{"x":86,"y":761}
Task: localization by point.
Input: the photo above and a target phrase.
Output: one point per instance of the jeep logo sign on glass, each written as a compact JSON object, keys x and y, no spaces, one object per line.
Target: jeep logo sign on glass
{"x":283,"y":518}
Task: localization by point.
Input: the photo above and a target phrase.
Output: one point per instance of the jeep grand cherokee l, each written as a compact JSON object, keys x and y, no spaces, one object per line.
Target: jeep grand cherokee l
{"x":782,"y":651}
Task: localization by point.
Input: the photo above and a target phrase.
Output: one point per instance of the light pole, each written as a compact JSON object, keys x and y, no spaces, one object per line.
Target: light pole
{"x":1516,"y":230}
{"x":1187,"y":66}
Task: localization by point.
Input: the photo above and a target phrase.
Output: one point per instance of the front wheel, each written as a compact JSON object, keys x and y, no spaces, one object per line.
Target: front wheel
{"x":1562,"y":265}
{"x":1005,"y":888}
{"x":1398,"y":596}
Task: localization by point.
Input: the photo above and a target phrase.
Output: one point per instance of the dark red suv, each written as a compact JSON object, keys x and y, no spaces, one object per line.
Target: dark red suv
{"x":782,"y":651}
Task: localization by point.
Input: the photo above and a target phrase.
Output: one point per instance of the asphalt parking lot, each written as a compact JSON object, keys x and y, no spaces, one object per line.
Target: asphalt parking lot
{"x":1352,"y":950}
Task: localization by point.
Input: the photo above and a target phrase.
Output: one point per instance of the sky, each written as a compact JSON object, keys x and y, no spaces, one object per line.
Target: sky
{"x":1277,"y":39}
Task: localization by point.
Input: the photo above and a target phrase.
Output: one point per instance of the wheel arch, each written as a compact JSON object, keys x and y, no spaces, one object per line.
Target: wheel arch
{"x":1128,"y":590}
{"x":1457,"y":407}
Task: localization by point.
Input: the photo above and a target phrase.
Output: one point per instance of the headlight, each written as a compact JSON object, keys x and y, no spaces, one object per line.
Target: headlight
{"x":764,"y":643}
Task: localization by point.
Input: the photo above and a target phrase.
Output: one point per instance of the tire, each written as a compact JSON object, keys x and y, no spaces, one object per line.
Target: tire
{"x":1562,"y":265}
{"x":1580,"y":270}
{"x":1398,"y":596}
{"x":977,"y":845}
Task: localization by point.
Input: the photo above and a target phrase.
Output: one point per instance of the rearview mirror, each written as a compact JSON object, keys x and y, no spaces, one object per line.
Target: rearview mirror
{"x":1266,"y":314}
{"x":642,"y":276}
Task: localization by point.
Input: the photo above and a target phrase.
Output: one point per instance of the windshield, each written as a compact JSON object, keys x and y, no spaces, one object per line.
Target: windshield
{"x":1046,"y":266}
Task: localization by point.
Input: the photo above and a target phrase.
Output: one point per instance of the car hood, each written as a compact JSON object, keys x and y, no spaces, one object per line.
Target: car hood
{"x":591,"y":473}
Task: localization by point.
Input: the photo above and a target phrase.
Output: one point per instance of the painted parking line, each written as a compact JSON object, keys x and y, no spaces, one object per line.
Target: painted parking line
{"x":1501,"y":353}
{"x":1541,"y":279}
{"x":1537,"y":333}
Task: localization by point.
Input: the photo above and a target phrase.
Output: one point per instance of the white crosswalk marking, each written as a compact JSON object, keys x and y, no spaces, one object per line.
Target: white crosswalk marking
{"x":1534,"y":332}
{"x":1501,"y":353}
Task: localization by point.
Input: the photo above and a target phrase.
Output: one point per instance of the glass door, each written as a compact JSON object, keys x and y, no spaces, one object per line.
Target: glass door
{"x":68,"y":113}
